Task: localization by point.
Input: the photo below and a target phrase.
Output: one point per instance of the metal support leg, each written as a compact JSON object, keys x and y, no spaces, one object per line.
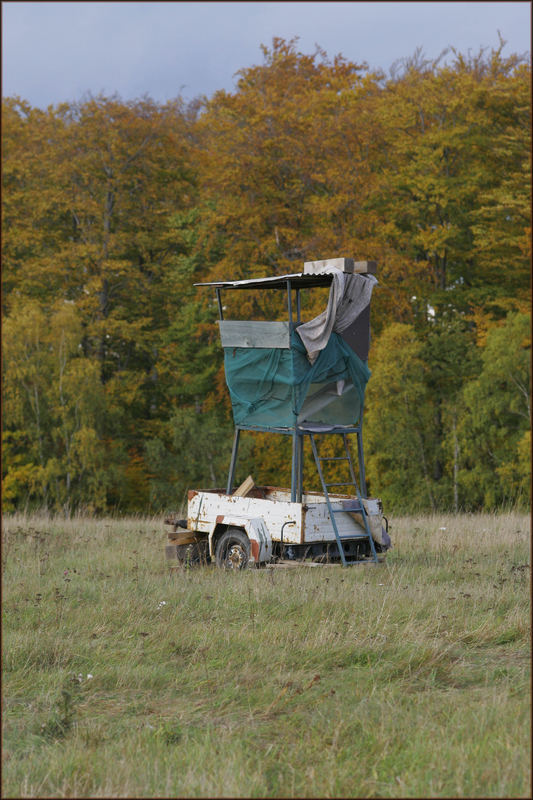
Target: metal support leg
{"x":219,"y":301}
{"x":361,"y":459}
{"x":359,"y":496}
{"x":231,"y":475}
{"x":294,"y":469}
{"x":328,"y":503}
{"x":289,"y":302}
{"x":300,"y":486}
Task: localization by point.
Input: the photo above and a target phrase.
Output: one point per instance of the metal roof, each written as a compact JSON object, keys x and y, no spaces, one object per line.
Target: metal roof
{"x":298,"y":280}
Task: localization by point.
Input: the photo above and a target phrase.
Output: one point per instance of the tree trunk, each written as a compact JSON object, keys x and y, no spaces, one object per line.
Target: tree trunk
{"x":455,"y":462}
{"x":437,"y":469}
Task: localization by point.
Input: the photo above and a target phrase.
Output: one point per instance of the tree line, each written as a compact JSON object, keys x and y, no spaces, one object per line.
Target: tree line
{"x":114,"y":396}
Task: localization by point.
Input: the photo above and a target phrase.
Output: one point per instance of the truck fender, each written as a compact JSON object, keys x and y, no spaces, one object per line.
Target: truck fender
{"x":256,"y":531}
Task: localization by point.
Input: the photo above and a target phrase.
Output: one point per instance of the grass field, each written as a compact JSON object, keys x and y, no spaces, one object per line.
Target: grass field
{"x":408,"y":679}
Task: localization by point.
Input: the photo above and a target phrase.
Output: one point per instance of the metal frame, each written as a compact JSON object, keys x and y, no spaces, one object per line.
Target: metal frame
{"x":298,"y":435}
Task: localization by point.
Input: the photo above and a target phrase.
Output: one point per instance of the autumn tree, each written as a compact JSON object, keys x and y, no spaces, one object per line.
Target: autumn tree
{"x":494,"y":432}
{"x":285,"y":161}
{"x":457,"y":140}
{"x":89,"y":189}
{"x":53,"y":401}
{"x":399,"y":426}
{"x":114,"y":392}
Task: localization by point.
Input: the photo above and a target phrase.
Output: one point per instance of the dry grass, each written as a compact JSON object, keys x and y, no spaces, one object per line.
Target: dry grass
{"x":409,"y":679}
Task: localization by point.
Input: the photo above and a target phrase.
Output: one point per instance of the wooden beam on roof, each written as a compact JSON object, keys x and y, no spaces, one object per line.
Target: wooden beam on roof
{"x":347,"y":265}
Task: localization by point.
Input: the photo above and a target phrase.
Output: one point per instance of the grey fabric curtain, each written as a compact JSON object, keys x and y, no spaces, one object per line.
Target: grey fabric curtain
{"x":349,"y":295}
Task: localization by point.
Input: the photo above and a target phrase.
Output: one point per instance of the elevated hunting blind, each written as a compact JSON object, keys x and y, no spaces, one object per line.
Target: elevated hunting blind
{"x":301,"y":378}
{"x":297,"y":379}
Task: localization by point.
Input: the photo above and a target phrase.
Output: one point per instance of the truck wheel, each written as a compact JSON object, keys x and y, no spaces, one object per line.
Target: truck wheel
{"x":233,"y":550}
{"x":194,"y":553}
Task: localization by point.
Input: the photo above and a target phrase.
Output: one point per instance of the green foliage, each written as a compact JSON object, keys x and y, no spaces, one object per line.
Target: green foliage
{"x":191,"y":450}
{"x":22,"y":480}
{"x":113,"y":386}
{"x":54,"y":399}
{"x":400,"y":436}
{"x":448,"y":426}
{"x":457,"y":136}
{"x":494,"y":433}
{"x":60,"y":721}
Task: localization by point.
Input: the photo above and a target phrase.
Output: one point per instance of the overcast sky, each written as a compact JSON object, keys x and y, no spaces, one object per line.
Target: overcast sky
{"x":54,"y":52}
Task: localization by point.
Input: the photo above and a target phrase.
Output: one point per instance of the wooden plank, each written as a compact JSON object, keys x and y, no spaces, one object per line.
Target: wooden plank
{"x":286,"y":564}
{"x":344,"y":264}
{"x":370,"y":267}
{"x":241,"y":333}
{"x":245,"y":487}
{"x":171,"y":551}
{"x":318,"y":267}
{"x":182,"y":537}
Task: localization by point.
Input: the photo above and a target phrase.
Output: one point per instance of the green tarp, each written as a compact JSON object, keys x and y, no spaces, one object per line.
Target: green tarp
{"x":269,"y":387}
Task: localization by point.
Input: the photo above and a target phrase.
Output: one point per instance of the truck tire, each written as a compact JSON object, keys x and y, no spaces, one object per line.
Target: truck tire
{"x":233,"y":550}
{"x":194,"y":553}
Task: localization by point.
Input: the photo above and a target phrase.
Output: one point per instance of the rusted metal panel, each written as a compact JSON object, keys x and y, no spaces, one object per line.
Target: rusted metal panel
{"x":254,"y":551}
{"x":260,"y":540}
{"x":318,"y":526}
{"x":263,"y":518}
{"x":205,"y":507}
{"x":374,"y":514}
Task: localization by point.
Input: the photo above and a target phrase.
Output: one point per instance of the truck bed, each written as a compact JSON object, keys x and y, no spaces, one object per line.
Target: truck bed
{"x":274,"y":506}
